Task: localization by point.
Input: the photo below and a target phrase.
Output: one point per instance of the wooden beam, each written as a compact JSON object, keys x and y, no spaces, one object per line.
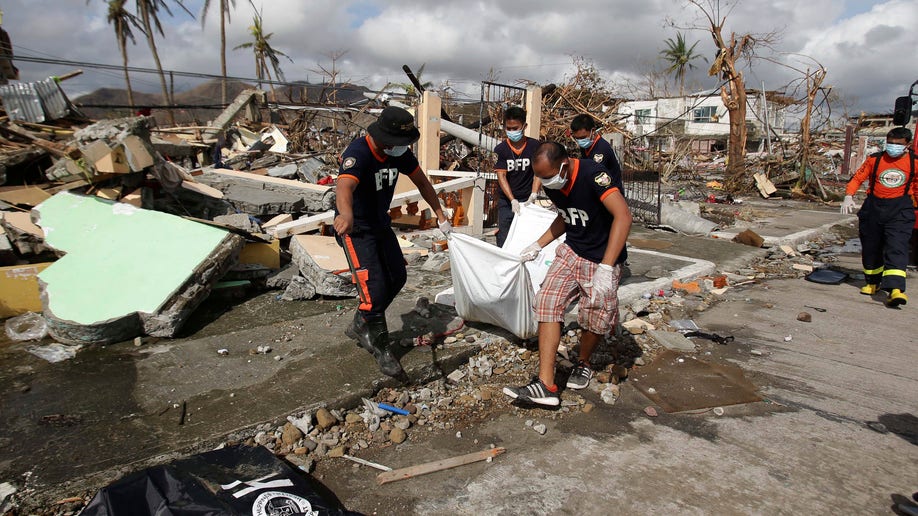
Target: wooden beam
{"x":313,"y":221}
{"x":437,"y":465}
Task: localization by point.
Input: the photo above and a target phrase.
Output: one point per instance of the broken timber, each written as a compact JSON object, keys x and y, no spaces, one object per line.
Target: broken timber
{"x":464,"y":181}
{"x":438,"y":465}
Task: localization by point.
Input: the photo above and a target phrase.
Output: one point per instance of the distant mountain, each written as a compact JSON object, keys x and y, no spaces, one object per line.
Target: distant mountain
{"x":208,"y":94}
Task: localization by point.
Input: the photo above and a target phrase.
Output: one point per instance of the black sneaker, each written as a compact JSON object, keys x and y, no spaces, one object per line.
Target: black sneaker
{"x":536,"y":392}
{"x":580,"y":376}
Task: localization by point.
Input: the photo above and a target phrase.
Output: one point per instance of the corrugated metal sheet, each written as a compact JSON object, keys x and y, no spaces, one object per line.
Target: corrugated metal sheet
{"x":52,"y":98}
{"x":34,"y":101}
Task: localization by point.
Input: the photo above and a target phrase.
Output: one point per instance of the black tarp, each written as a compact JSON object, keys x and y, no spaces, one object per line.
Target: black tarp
{"x":236,"y":480}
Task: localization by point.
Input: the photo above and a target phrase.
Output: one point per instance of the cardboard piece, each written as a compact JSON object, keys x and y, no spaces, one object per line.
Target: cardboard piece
{"x":138,"y":156}
{"x":262,"y":254}
{"x":19,"y":291}
{"x":24,"y":196}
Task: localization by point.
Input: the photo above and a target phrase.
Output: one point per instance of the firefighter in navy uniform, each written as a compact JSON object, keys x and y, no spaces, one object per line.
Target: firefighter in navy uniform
{"x":592,"y":145}
{"x":514,"y":171}
{"x":594,"y":216}
{"x":887,"y":216}
{"x":369,"y":170}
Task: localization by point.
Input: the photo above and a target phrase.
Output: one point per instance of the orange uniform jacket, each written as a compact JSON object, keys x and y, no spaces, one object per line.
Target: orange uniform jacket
{"x":891,"y":178}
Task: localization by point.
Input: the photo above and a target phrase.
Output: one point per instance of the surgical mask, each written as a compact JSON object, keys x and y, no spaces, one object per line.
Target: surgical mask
{"x":895,"y":149}
{"x":396,"y":151}
{"x":515,"y":136}
{"x":555,"y":182}
{"x":583,"y":143}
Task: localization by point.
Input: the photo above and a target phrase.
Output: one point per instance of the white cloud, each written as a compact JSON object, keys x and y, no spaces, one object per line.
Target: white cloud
{"x":867,"y":46}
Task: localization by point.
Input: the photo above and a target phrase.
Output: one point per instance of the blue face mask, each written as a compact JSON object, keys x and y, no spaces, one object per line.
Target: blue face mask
{"x":515,"y":136}
{"x":583,"y":143}
{"x":895,"y":149}
{"x":396,"y":151}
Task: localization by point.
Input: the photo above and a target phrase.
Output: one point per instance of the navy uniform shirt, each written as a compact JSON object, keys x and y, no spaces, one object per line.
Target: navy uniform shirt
{"x":376,"y":175}
{"x":601,"y":152}
{"x":586,"y":219}
{"x":518,"y":166}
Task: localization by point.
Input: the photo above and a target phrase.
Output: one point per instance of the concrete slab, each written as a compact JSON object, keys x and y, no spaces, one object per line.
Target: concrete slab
{"x":672,"y":340}
{"x":126,"y":270}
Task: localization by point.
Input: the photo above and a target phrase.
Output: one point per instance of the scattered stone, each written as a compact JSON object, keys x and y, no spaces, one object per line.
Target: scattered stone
{"x":338,"y":451}
{"x":422,"y":307}
{"x":299,"y":289}
{"x":603,"y":377}
{"x":402,"y":423}
{"x":325,"y":419}
{"x":470,"y":339}
{"x":291,"y":434}
{"x":223,"y":351}
{"x":650,"y":411}
{"x":397,"y":435}
{"x":638,"y":361}
{"x":805,"y":317}
{"x":456,"y":376}
{"x":756,"y":352}
{"x":587,"y":408}
{"x":302,"y":450}
{"x":352,"y":417}
{"x":540,"y":428}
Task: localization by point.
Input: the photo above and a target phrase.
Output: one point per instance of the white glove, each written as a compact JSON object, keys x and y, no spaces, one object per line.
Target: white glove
{"x":848,"y":205}
{"x":532,"y":198}
{"x":602,"y":282}
{"x":445,"y":227}
{"x":530,"y":252}
{"x":515,"y":206}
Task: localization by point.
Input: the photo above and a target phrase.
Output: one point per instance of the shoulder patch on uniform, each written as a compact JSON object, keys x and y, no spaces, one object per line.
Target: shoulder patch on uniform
{"x":598,"y":158}
{"x":348,"y":162}
{"x":603,"y":179}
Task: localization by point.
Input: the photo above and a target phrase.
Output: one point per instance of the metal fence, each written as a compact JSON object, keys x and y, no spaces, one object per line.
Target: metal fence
{"x":642,"y":191}
{"x":495,"y":98}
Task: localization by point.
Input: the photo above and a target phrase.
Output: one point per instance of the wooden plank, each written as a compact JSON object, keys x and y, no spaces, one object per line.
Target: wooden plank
{"x":312,"y":222}
{"x":437,"y":465}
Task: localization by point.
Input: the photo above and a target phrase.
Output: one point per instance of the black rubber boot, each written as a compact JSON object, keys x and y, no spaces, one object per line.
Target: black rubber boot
{"x":373,"y":336}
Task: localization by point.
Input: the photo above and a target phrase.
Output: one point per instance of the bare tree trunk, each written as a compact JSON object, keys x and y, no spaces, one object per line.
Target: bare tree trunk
{"x":813,"y":83}
{"x":127,"y":76}
{"x":733,"y":95}
{"x":223,"y":50}
{"x":145,"y":16}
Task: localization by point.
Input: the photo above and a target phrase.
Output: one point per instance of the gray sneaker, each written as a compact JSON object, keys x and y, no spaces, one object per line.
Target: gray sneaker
{"x":536,"y":392}
{"x":580,"y":376}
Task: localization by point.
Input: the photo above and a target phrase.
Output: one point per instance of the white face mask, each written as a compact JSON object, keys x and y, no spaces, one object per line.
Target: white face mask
{"x":396,"y":151}
{"x":555,"y":182}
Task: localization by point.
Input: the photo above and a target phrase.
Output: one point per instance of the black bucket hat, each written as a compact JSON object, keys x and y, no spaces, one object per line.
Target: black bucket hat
{"x":394,"y":127}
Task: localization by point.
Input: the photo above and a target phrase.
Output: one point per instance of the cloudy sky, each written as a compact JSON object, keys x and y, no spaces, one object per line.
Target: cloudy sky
{"x":867,"y":46}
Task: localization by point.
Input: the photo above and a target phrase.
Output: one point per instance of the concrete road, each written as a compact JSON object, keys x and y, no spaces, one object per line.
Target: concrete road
{"x":806,"y":449}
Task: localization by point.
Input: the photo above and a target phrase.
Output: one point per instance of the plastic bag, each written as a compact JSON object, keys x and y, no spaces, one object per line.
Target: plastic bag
{"x":28,"y":326}
{"x":233,"y":480}
{"x":491,"y":284}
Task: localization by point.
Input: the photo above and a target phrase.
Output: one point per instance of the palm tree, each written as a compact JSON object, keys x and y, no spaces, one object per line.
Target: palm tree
{"x":225,"y":7}
{"x":409,"y":88}
{"x":122,"y":21}
{"x":680,"y":57}
{"x":149,"y":15}
{"x":264,"y":53}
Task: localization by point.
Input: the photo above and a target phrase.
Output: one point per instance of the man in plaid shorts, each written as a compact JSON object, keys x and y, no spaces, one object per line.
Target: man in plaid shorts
{"x":592,"y":212}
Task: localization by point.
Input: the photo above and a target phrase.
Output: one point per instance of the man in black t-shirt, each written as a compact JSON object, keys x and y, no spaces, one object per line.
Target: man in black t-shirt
{"x":595,"y":218}
{"x":369,"y":170}
{"x":514,"y":171}
{"x":592,"y":145}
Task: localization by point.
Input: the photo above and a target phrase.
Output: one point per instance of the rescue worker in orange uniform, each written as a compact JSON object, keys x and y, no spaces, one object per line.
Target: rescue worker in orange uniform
{"x":888,"y":215}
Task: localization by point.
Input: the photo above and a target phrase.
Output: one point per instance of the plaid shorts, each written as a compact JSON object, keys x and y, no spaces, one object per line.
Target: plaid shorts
{"x":570,"y":278}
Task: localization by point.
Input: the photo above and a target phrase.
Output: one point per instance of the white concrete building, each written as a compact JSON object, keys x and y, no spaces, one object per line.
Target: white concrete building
{"x":702,"y":118}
